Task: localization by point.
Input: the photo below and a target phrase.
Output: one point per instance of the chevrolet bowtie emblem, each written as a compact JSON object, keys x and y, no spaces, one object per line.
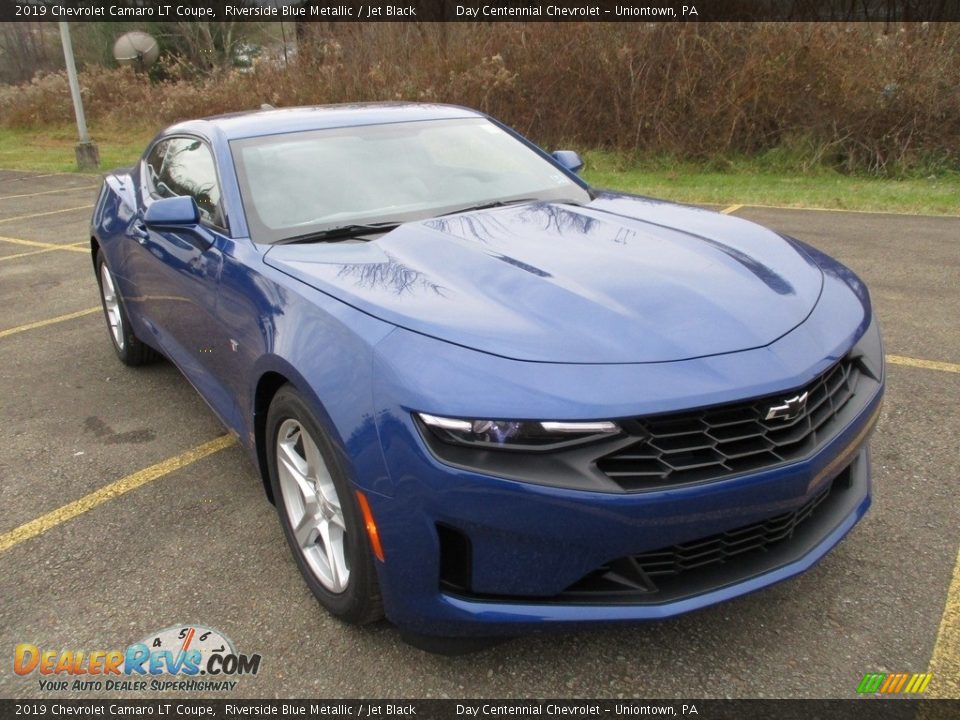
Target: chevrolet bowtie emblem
{"x":789,"y":410}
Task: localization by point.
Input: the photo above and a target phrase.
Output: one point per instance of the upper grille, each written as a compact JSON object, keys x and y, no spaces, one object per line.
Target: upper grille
{"x":726,"y":440}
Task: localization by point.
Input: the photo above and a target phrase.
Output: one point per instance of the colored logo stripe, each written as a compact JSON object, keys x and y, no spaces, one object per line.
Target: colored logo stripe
{"x":893,"y":683}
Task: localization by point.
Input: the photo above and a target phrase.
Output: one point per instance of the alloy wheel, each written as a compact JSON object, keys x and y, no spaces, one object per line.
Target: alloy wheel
{"x":112,"y":305}
{"x":312,"y":506}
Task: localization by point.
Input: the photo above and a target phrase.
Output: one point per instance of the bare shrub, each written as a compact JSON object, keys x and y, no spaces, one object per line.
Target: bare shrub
{"x":857,"y":96}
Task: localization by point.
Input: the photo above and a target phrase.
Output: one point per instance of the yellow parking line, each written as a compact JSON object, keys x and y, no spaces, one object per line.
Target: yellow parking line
{"x":124,"y":485}
{"x":945,"y":661}
{"x":51,"y":321}
{"x":27,"y":254}
{"x":71,"y":246}
{"x":43,"y":214}
{"x":48,"y":192}
{"x":29,"y":243}
{"x":52,"y":246}
{"x":732,"y":208}
{"x":845,"y":210}
{"x":925,"y":364}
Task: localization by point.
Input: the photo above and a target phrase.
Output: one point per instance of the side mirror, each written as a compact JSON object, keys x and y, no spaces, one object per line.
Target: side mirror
{"x":569,"y":159}
{"x":181,"y":210}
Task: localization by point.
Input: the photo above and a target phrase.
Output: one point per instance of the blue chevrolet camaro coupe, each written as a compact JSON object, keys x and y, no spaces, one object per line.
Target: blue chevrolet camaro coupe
{"x":485,"y":397}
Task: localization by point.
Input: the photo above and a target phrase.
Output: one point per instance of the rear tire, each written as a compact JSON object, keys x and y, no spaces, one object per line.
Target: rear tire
{"x":319,"y":513}
{"x":129,"y":348}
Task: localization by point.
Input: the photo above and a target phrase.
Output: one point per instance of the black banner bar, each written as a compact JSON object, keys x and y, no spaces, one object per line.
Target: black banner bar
{"x":885,"y":11}
{"x":865,"y":708}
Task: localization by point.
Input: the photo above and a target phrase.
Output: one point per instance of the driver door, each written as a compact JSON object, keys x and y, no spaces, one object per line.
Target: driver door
{"x":177,"y":271}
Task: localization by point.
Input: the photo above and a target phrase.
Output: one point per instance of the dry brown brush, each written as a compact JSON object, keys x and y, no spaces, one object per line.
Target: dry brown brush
{"x":855,"y":96}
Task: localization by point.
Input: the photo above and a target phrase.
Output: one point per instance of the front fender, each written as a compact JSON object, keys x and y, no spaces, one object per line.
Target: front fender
{"x":324,"y":348}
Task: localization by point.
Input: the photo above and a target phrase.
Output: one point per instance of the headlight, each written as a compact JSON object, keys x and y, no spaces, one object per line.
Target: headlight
{"x":516,"y":434}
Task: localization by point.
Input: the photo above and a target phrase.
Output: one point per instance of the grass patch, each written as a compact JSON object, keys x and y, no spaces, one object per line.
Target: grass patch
{"x":52,"y":149}
{"x":752,"y":182}
{"x":742,"y":181}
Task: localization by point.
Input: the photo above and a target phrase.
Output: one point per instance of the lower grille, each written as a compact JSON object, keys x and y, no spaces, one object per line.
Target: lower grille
{"x":727,"y":440}
{"x":688,"y":568}
{"x":720,"y":548}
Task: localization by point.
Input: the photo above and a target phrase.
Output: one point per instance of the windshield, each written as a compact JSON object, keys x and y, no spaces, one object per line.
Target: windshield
{"x":299,"y":183}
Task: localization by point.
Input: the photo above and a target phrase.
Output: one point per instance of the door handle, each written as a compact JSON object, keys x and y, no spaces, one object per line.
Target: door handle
{"x":138,"y":231}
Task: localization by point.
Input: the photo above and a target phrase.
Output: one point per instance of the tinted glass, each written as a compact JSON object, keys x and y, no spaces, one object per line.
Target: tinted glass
{"x":298,"y":183}
{"x":154,"y":165}
{"x":184,"y":166}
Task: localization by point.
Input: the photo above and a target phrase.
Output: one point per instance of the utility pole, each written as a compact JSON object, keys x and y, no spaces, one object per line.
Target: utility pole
{"x":283,"y":34}
{"x":88,"y":157}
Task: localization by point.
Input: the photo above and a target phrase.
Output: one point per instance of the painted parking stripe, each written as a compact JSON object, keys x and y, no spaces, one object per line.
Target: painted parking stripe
{"x":734,"y":208}
{"x":51,"y":321}
{"x":26,"y":254}
{"x":846,"y":210}
{"x":924,"y":364}
{"x":49,"y":192}
{"x":113,"y":490}
{"x":71,"y":246}
{"x":945,"y":661}
{"x":44,"y":214}
{"x":53,"y":246}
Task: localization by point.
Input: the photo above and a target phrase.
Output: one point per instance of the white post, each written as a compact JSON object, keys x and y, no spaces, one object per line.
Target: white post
{"x":88,"y":157}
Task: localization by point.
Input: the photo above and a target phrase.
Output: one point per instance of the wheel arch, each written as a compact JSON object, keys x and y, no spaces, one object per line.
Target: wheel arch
{"x":270,"y":379}
{"x":267,"y":386}
{"x":94,"y":249}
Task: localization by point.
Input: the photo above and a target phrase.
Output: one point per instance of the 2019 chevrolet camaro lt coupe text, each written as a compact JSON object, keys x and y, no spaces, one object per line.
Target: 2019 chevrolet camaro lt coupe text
{"x":485,"y":397}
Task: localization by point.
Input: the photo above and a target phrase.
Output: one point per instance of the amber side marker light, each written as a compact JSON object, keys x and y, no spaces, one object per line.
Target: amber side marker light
{"x":371,"y":526}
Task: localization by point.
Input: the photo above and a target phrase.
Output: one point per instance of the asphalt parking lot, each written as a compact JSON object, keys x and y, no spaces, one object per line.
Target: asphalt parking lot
{"x":193,"y":540}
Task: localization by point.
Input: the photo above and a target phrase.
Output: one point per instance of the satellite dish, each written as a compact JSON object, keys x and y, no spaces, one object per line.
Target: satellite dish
{"x":136,"y":48}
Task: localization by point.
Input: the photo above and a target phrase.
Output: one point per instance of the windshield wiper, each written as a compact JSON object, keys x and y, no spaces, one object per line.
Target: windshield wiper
{"x":341,"y":232}
{"x":493,"y":204}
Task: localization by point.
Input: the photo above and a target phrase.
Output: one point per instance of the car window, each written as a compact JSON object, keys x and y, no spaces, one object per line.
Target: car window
{"x":185,"y":166}
{"x":301,"y":182}
{"x":153,"y":165}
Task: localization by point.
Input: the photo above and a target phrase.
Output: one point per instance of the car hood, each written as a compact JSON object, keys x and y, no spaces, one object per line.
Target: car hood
{"x":621,"y":280}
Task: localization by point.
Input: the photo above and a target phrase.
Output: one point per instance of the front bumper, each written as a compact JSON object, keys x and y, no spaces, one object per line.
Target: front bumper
{"x":529,"y":543}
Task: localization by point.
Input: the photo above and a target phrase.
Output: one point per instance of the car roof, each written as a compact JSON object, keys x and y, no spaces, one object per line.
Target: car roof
{"x":320,"y":117}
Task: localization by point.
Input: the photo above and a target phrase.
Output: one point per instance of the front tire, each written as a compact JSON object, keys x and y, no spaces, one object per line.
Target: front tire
{"x":129,"y":348}
{"x":319,"y":513}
